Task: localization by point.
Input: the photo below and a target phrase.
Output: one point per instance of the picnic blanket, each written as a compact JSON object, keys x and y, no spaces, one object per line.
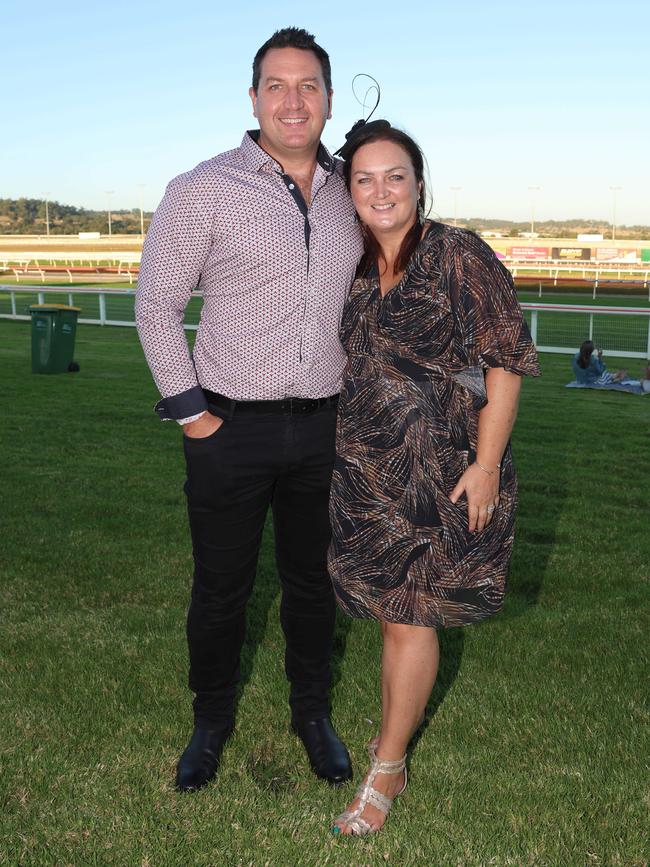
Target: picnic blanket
{"x":633,"y":386}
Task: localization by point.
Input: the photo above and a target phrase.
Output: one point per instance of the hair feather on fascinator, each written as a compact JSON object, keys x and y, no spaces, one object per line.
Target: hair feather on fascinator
{"x":363,"y":123}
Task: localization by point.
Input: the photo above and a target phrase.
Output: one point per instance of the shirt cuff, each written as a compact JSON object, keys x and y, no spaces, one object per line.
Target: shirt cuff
{"x":183,"y":405}
{"x":191,"y":418}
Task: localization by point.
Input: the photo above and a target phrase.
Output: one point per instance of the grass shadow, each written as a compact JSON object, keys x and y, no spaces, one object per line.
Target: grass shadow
{"x":538,"y":529}
{"x":452,"y":643}
{"x":543,"y":477}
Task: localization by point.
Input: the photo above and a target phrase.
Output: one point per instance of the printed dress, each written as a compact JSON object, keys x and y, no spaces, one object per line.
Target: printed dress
{"x":407,"y":430}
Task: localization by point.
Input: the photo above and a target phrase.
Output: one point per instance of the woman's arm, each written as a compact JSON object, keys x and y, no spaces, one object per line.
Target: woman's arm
{"x":480,"y":481}
{"x":597,"y":364}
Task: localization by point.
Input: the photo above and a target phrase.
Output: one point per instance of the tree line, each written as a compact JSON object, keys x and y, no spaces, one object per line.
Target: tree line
{"x":552,"y":228}
{"x":27,"y":217}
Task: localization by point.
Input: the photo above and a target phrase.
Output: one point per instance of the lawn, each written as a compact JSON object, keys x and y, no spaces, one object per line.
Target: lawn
{"x":612,"y":333}
{"x":536,"y":743}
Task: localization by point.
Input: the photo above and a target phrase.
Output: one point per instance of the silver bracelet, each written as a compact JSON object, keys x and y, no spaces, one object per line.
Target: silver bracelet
{"x":485,"y":469}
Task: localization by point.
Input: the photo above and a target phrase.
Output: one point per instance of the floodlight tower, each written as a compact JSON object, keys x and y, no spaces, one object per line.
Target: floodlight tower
{"x":614,"y":197}
{"x":141,"y":188}
{"x":47,"y":215}
{"x":532,"y":190}
{"x":109,"y":193}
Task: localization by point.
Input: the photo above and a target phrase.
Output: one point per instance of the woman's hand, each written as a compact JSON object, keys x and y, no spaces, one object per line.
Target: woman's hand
{"x":482,"y":492}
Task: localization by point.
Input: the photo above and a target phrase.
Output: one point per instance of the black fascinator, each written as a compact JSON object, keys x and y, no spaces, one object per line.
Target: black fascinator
{"x":363,"y":124}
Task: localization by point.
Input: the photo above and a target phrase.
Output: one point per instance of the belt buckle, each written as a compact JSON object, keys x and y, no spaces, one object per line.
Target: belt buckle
{"x":306,"y":405}
{"x":301,"y":405}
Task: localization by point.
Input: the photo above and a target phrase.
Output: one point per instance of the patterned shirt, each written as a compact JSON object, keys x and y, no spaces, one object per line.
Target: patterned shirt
{"x":274,"y":275}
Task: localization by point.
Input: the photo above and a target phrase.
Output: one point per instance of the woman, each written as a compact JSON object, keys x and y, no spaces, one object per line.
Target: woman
{"x":589,"y":369}
{"x":424,"y":491}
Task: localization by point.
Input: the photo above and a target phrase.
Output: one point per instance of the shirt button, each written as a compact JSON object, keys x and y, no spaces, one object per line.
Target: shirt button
{"x":292,"y":186}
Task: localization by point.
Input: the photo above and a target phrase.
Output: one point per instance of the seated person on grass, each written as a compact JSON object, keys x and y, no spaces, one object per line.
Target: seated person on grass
{"x":590,"y":372}
{"x":589,"y":369}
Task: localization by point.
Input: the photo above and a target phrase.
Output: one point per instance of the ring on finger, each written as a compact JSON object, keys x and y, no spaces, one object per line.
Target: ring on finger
{"x":490,"y":509}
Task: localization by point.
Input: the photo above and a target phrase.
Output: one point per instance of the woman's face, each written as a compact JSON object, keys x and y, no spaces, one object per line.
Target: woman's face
{"x":383,"y":188}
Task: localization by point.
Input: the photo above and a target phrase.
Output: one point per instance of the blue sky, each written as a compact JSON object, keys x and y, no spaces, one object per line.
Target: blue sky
{"x":501,"y":96}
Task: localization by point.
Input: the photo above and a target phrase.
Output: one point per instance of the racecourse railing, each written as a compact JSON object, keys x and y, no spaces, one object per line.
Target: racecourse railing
{"x":546,"y":275}
{"x":620,"y":331}
{"x":597,"y":277}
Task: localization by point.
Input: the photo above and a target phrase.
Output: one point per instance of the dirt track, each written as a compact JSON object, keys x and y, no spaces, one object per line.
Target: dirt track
{"x":70,"y":243}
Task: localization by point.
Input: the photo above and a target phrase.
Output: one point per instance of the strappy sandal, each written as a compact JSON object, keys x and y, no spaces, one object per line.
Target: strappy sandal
{"x":370,"y":796}
{"x":373,"y":743}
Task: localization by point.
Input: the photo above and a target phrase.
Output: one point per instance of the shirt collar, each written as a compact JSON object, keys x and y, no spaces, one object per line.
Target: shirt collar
{"x":257,"y":158}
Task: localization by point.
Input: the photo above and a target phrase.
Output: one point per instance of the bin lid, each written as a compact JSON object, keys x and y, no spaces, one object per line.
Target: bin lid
{"x":53,"y":307}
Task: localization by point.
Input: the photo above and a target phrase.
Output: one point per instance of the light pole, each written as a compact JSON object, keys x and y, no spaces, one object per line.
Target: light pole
{"x":614,"y":196}
{"x":532,"y":190}
{"x":141,"y":188}
{"x":109,"y":193}
{"x":455,"y":191}
{"x":47,"y":215}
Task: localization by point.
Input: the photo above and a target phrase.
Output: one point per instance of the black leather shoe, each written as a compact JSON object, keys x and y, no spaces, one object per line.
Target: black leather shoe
{"x":327,"y":754}
{"x":199,"y":763}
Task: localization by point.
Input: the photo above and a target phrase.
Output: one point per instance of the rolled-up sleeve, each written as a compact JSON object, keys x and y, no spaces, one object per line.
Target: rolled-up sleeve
{"x":176,"y":247}
{"x":493,"y":330}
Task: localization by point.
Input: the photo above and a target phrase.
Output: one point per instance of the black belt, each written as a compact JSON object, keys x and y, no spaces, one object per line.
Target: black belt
{"x":289,"y":406}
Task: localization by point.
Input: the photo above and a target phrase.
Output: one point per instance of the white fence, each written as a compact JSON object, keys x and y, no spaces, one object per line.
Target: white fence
{"x":98,"y":266}
{"x":588,"y":276}
{"x":620,"y":331}
{"x":21,"y":297}
{"x":599,"y":277}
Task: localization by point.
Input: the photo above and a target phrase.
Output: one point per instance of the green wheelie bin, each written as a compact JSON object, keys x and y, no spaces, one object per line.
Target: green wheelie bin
{"x":54,"y":328}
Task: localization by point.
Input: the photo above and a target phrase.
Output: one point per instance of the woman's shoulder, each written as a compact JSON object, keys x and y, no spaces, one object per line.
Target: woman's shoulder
{"x":454,"y":240}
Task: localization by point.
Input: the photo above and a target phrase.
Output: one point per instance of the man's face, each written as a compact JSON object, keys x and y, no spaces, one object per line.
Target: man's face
{"x":291,"y":103}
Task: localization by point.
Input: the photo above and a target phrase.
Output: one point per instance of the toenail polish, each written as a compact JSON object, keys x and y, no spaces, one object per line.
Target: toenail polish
{"x":336,"y":830}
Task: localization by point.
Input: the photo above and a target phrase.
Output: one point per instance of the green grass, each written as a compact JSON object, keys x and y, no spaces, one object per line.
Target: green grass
{"x":612,"y":333}
{"x":535,"y":751}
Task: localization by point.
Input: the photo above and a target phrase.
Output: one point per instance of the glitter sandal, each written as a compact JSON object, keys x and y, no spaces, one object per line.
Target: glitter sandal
{"x":370,"y":796}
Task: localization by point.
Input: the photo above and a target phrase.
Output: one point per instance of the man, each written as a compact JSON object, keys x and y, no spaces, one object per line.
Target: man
{"x":268,"y":232}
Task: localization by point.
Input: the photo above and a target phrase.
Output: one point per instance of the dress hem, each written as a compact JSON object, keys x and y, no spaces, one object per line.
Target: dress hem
{"x":483,"y":615}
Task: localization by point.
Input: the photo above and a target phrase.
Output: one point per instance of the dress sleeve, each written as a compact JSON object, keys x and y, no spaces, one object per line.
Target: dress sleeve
{"x":491,"y":328}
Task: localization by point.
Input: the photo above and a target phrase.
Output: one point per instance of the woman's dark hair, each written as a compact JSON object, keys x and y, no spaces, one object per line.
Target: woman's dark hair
{"x":293,"y":37}
{"x":586,"y":348}
{"x":372,"y":248}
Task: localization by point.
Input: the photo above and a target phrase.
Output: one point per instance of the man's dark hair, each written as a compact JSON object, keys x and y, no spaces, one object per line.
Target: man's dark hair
{"x":293,"y":37}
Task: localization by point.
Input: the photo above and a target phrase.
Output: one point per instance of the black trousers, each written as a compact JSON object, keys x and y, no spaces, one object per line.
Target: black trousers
{"x":256,"y":460}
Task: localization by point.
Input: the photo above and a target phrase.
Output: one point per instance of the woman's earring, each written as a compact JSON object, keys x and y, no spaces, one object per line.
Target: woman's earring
{"x":420,"y":212}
